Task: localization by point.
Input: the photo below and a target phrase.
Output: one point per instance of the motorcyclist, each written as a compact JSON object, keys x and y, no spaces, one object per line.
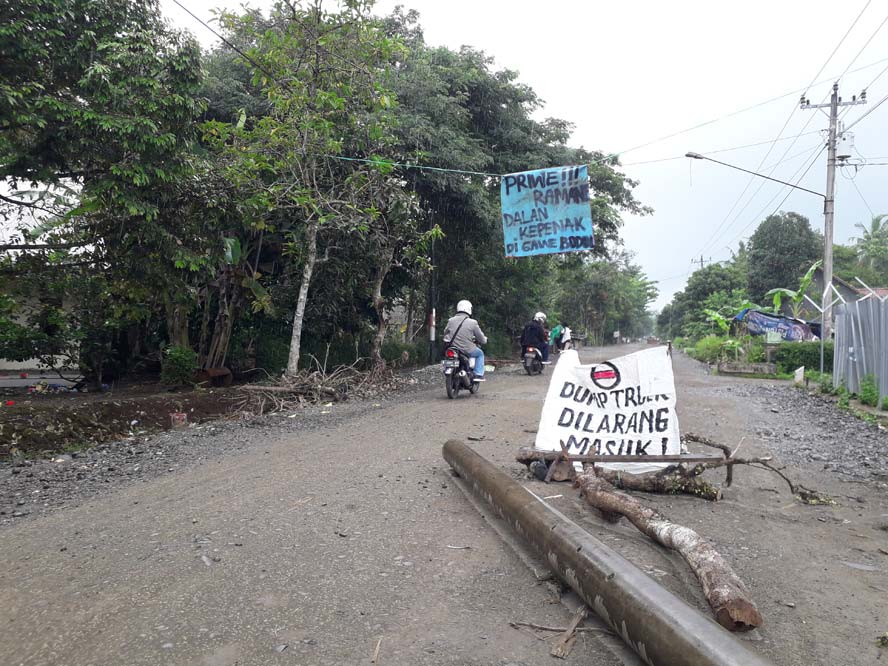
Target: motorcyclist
{"x":534,"y":335}
{"x":463,"y":332}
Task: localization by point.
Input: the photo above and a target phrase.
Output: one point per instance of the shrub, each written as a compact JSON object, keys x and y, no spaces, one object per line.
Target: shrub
{"x":885,"y":404}
{"x":844,"y":397}
{"x":393,"y":352}
{"x":756,"y":353}
{"x":823,"y":381}
{"x":869,"y":391}
{"x":178,"y":366}
{"x":709,"y":349}
{"x":272,"y":354}
{"x":791,"y":355}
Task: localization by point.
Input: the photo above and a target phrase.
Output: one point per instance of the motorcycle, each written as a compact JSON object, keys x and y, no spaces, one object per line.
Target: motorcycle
{"x":459,"y":372}
{"x":533,"y":360}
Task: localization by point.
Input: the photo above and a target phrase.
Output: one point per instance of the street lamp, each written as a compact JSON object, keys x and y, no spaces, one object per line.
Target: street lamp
{"x":698,"y":156}
{"x":827,"y":242}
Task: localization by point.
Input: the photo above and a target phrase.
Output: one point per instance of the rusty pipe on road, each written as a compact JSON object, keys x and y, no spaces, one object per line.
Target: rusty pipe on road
{"x":660,"y":627}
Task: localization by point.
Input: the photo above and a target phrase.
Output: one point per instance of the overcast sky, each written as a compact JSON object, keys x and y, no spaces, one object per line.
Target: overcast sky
{"x":628,"y":73}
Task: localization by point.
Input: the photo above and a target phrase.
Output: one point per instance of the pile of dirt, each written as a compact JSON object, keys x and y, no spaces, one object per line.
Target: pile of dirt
{"x":37,"y":425}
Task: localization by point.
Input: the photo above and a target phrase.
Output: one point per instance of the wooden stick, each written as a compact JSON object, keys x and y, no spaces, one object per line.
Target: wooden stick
{"x":727,"y":595}
{"x":559,"y":630}
{"x":528,"y":454}
{"x":375,"y":659}
{"x":568,"y":638}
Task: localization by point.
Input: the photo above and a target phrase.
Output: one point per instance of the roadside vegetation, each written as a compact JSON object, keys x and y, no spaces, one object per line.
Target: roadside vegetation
{"x":771,"y":273}
{"x":179,"y":210}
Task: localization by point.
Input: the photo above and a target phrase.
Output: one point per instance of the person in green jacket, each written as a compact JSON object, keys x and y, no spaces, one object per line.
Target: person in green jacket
{"x":555,"y":336}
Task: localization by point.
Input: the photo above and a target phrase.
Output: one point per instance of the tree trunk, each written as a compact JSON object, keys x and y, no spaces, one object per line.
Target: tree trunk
{"x":385,"y":264}
{"x":207,"y":303}
{"x":311,"y":258}
{"x":229,"y":300}
{"x":177,"y":323}
{"x":725,"y":592}
{"x":411,"y":312}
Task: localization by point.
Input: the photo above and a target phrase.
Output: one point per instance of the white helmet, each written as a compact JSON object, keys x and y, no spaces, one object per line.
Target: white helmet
{"x":540,"y":317}
{"x":464,"y":306}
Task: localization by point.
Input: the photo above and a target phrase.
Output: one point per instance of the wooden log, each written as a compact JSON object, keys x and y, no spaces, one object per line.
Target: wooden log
{"x":727,"y":595}
{"x":527,"y":454}
{"x":671,"y":480}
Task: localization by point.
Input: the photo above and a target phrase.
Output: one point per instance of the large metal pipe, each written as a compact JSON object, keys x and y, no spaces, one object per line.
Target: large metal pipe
{"x":660,"y":627}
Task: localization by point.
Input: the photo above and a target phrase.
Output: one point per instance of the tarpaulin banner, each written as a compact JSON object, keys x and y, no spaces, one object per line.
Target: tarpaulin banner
{"x":760,"y":323}
{"x":546,"y":211}
{"x":625,"y":406}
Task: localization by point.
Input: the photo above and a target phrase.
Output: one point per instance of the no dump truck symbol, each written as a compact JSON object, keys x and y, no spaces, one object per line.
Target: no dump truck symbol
{"x":605,"y":376}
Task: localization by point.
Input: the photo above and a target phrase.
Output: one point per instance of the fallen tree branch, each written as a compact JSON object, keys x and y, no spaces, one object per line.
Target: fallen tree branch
{"x":672,"y":480}
{"x":727,"y":595}
{"x":805,"y":495}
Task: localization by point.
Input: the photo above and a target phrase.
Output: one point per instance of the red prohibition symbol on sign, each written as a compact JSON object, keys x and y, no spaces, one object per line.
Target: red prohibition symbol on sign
{"x":605,"y":376}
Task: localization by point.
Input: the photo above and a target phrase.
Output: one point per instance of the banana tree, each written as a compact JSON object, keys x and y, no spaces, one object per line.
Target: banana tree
{"x":717,"y":318}
{"x":797,"y":297}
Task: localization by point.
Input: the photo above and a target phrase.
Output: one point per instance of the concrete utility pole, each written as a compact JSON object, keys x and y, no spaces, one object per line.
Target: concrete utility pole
{"x":829,"y":201}
{"x":701,"y":260}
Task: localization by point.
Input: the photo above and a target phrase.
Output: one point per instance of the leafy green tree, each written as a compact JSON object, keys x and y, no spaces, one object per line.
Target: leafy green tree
{"x":319,"y":70}
{"x":780,"y":251}
{"x":872,"y":245}
{"x":98,"y":93}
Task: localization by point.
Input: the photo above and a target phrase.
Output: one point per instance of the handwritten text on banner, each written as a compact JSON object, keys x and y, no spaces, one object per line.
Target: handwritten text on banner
{"x":546,"y":211}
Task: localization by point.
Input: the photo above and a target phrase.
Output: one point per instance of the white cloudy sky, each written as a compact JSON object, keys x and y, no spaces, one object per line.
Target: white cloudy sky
{"x":627,"y":73}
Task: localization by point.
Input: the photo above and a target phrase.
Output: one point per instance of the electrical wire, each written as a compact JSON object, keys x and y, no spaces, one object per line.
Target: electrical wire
{"x":714,"y":152}
{"x":869,"y":111}
{"x":758,"y":216}
{"x":862,"y":198}
{"x":724,"y":221}
{"x":230,"y":45}
{"x":271,"y":76}
{"x":867,"y":43}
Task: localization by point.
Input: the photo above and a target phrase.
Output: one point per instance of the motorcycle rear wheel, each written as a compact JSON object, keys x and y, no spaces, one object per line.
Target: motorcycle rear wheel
{"x":451,"y":383}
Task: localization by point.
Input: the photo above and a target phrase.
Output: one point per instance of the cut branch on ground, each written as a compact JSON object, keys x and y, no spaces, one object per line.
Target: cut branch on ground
{"x":726,"y":593}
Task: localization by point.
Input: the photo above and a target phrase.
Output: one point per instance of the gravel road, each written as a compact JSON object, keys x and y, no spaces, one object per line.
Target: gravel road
{"x":305,"y":539}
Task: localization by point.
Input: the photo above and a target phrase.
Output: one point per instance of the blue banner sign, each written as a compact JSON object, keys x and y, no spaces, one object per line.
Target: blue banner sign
{"x":546,"y":211}
{"x":761,"y":323}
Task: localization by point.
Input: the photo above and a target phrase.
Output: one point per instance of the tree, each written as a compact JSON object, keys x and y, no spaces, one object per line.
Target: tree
{"x":97,"y":109}
{"x":319,"y":70}
{"x":95,"y":92}
{"x":780,"y":251}
{"x":872,"y":245}
{"x":796,"y":296}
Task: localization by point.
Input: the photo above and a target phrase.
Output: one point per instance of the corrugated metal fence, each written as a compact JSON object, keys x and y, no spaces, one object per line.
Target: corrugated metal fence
{"x":861,"y":344}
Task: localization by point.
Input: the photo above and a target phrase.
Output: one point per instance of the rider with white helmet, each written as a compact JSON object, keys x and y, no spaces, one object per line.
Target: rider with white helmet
{"x":463,"y":333}
{"x":534,"y":335}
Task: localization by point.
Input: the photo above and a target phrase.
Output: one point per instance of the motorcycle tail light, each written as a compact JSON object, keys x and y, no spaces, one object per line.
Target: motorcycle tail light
{"x":531,"y":349}
{"x":451,"y":353}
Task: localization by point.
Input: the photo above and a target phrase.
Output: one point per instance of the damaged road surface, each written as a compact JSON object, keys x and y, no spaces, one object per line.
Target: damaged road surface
{"x":346,"y":541}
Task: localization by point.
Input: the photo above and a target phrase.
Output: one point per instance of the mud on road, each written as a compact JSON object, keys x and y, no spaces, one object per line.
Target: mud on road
{"x":306,"y":539}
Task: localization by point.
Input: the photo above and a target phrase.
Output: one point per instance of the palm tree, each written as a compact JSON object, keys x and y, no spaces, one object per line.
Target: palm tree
{"x":872,"y":245}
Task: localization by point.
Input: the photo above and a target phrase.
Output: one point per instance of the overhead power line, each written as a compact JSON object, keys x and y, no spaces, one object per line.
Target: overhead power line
{"x":867,"y":43}
{"x":789,"y":189}
{"x":230,"y":44}
{"x":724,"y":221}
{"x":714,"y":152}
